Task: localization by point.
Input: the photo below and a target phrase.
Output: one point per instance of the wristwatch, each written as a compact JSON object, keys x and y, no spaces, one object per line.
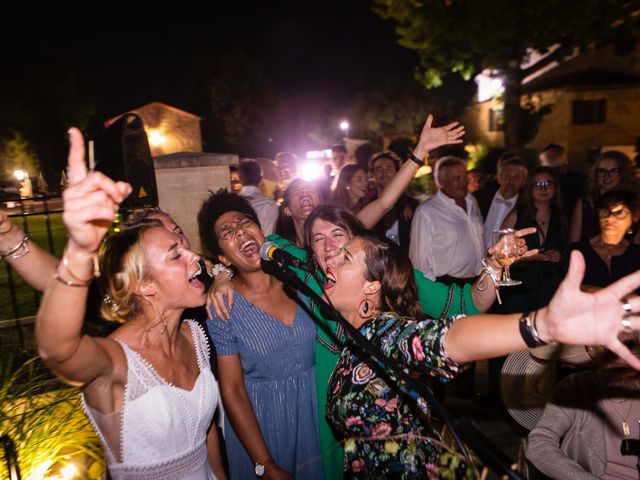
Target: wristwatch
{"x":260,"y":468}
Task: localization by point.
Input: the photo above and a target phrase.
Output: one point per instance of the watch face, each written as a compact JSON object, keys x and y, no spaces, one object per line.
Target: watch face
{"x":259,"y":469}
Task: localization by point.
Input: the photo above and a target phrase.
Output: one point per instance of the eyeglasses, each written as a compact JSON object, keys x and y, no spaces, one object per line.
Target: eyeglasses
{"x":614,"y":172}
{"x":618,"y":213}
{"x":543,"y":185}
{"x":228,"y":230}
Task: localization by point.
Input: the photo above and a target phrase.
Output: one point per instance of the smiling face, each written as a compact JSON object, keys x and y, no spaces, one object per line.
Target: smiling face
{"x":240,"y":239}
{"x":172,"y":269}
{"x":302,"y":198}
{"x":358,"y":185}
{"x":608,"y":174}
{"x":384,"y":169}
{"x":327,"y":239}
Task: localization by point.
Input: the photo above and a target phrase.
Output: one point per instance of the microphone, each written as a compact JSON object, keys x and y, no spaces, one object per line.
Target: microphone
{"x":270,"y":252}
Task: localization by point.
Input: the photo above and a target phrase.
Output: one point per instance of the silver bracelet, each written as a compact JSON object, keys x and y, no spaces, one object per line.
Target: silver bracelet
{"x":13,"y":252}
{"x":493,"y":274}
{"x":219,"y":268}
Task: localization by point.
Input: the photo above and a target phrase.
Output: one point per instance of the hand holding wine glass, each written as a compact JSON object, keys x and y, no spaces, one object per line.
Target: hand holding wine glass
{"x":505,"y":245}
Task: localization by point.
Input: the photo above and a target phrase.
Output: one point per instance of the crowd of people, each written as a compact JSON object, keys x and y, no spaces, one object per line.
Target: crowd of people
{"x":298,"y":398}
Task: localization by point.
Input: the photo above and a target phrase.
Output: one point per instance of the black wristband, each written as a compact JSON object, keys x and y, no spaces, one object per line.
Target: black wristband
{"x":416,"y":159}
{"x":528,"y":331}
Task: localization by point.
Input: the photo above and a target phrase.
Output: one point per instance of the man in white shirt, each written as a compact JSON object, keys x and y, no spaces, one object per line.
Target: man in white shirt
{"x":447,"y":230}
{"x":512,"y":175}
{"x":266,"y":209}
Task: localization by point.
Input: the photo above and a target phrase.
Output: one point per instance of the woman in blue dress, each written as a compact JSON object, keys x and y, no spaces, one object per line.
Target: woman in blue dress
{"x":266,"y":355}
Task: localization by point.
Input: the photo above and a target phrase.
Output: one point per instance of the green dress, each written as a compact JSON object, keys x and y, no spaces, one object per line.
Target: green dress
{"x":437,"y":300}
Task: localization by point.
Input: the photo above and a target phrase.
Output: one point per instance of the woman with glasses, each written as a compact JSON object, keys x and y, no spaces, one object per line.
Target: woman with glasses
{"x":538,"y":206}
{"x":610,"y":255}
{"x":266,"y":354}
{"x":612,"y":170}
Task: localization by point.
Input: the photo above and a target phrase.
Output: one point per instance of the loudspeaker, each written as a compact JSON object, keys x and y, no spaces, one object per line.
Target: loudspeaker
{"x":122,"y":153}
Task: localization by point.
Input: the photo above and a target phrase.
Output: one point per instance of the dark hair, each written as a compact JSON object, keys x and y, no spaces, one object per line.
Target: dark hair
{"x":213,"y":208}
{"x":613,"y":375}
{"x":341,"y":194}
{"x":387,"y":263}
{"x":627,"y":175}
{"x":526,"y":206}
{"x":285,"y":225}
{"x":388,"y":154}
{"x":616,"y":197}
{"x":250,"y":172}
{"x":338,"y":149}
{"x":335,"y":214}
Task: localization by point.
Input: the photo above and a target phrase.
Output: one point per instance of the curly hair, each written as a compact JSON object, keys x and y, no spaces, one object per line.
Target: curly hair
{"x":387,"y":263}
{"x":216,"y":205}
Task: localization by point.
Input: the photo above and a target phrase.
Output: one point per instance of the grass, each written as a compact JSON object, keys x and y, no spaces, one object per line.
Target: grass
{"x":26,"y":298}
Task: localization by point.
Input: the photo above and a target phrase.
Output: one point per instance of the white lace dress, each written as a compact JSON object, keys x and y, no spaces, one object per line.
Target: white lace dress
{"x":160,"y":432}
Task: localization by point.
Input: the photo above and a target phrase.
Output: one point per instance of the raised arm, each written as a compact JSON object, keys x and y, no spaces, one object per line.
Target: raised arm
{"x":573,"y":317}
{"x":430,"y":138}
{"x":32,"y":263}
{"x":90,"y":205}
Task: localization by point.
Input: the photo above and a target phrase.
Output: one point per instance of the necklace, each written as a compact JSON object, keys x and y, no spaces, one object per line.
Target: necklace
{"x":610,"y":249}
{"x":625,"y":425}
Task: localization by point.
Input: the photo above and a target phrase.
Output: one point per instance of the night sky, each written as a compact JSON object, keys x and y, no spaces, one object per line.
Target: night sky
{"x":312,"y":52}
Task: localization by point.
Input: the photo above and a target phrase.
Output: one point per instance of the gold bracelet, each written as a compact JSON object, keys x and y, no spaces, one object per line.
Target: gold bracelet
{"x":65,"y":262}
{"x":70,"y":283}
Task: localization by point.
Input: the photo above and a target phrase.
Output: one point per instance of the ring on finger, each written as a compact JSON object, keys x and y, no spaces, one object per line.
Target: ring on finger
{"x":626,"y":306}
{"x":626,"y":325}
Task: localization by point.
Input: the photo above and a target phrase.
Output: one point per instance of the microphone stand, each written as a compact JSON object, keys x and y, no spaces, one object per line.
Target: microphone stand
{"x":460,"y":429}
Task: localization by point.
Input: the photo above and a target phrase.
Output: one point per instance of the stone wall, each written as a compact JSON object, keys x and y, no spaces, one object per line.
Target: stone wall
{"x":184,"y":181}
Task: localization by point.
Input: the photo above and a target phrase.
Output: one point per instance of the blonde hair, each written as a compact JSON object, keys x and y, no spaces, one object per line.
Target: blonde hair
{"x":123,"y":264}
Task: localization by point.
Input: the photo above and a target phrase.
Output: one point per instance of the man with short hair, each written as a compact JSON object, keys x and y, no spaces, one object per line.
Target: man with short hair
{"x":447,"y":231}
{"x":339,"y":157}
{"x":287,"y":168}
{"x":266,"y":209}
{"x":512,"y":175}
{"x":396,"y":224}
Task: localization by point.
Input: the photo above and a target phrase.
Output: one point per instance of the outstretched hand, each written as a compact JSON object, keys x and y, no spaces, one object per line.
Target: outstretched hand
{"x":580,"y":318}
{"x":431,"y":137}
{"x":90,"y":201}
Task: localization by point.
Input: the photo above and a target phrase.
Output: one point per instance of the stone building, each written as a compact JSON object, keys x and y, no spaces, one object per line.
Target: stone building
{"x":595,"y":105}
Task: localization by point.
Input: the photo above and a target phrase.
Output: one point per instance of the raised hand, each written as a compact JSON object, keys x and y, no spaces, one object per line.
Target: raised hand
{"x":90,"y":201}
{"x":580,"y":318}
{"x":431,"y":138}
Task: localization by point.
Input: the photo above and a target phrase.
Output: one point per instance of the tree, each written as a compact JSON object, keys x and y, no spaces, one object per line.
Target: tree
{"x":16,"y":154}
{"x":467,"y":36}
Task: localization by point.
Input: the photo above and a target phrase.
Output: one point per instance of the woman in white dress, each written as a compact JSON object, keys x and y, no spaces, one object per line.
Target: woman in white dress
{"x":147,"y":388}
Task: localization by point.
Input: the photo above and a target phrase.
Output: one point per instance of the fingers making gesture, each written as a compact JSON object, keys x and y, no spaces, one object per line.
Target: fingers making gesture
{"x":90,"y":201}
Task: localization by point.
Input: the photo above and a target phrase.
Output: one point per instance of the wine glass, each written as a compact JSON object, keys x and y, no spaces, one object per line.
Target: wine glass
{"x":505,"y":245}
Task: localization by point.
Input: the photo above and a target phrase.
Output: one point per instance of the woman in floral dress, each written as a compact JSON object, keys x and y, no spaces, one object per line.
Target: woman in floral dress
{"x":384,"y":433}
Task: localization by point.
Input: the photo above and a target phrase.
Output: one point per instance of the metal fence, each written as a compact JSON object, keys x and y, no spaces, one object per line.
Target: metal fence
{"x":34,"y":215}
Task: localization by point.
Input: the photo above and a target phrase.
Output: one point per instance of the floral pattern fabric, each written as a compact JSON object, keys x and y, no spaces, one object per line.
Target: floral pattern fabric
{"x":385,"y":435}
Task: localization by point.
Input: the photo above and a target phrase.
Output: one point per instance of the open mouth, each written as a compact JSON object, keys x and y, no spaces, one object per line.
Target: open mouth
{"x":194,"y":281}
{"x":249,"y":248}
{"x":330,"y":282}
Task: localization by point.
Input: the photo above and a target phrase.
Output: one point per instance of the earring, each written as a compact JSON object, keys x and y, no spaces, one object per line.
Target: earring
{"x":364,"y":308}
{"x":629,"y":230}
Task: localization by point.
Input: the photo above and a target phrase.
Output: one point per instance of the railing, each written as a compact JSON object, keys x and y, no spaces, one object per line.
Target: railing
{"x":40,"y":218}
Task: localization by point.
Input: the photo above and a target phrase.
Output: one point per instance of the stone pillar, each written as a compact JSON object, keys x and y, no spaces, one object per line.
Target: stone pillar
{"x":184,"y":180}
